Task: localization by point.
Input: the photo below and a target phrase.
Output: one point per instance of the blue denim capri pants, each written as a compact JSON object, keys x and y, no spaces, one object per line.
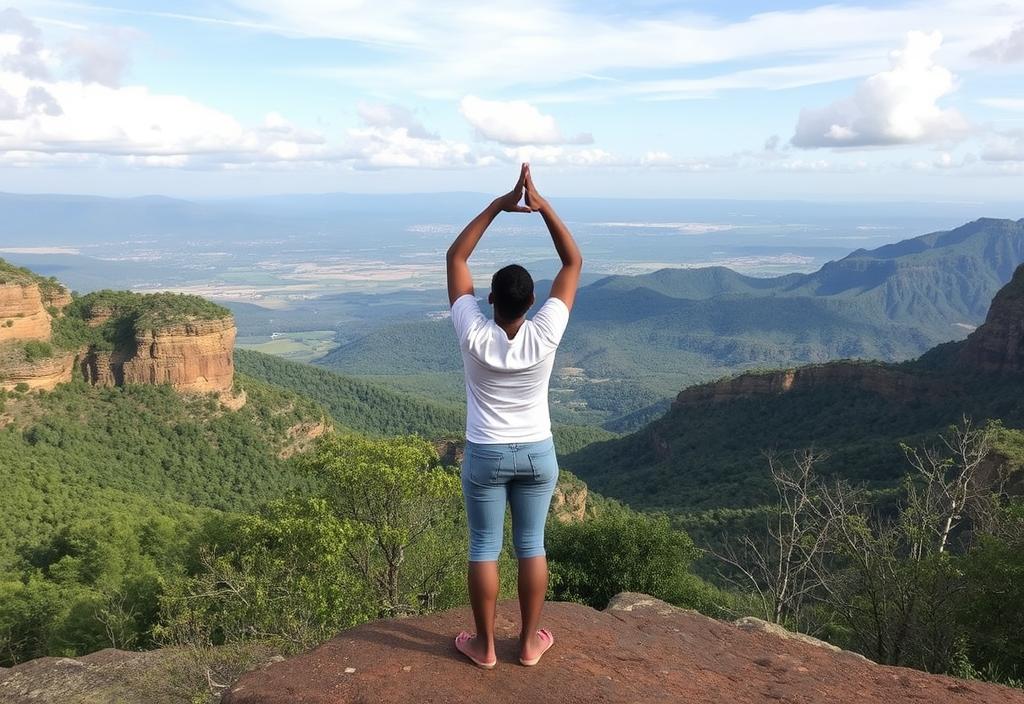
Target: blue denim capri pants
{"x":522,"y":474}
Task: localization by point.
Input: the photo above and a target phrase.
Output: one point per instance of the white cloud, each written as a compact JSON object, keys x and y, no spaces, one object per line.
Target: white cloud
{"x":100,"y":57}
{"x":393,"y":116}
{"x":1013,"y":104}
{"x":898,"y":106}
{"x":545,"y":44}
{"x":28,"y":56}
{"x":563,"y":156}
{"x":1006,"y":146}
{"x":1005,"y":50}
{"x":514,"y":122}
{"x":385,"y":147}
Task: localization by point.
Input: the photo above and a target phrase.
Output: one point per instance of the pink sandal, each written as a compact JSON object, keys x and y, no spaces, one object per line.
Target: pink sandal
{"x":543,"y":632}
{"x":461,"y":640}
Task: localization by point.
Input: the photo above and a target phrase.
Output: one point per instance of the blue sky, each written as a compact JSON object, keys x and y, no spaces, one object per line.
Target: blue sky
{"x":873,"y":100}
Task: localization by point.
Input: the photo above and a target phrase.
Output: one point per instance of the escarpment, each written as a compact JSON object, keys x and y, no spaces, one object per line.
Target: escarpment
{"x":193,"y":356}
{"x":110,"y":338}
{"x":996,"y":347}
{"x":888,"y":382}
{"x":23,"y":314}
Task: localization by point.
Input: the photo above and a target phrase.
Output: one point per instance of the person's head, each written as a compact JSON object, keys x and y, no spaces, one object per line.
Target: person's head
{"x":511,"y":292}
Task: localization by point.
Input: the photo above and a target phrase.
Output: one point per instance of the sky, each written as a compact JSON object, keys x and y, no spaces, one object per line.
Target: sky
{"x":687,"y":99}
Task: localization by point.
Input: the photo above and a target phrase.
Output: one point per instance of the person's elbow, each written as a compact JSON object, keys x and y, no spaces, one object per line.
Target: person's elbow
{"x":574,"y":262}
{"x":452,"y":255}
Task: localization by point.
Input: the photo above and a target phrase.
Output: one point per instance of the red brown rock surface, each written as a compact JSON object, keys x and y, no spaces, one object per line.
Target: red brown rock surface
{"x":637,"y":650}
{"x":998,"y":344}
{"x":23,"y":314}
{"x":193,"y":357}
{"x":42,"y":374}
{"x":889,"y":383}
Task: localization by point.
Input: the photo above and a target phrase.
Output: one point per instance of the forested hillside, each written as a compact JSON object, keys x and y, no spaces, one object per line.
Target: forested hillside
{"x":707,"y":452}
{"x":374,"y":408}
{"x":81,"y":451}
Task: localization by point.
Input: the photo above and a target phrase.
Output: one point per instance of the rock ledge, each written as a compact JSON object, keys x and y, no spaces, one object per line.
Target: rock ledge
{"x":639,"y":649}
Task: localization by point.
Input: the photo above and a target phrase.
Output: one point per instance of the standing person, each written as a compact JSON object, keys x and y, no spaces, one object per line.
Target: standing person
{"x":510,"y":454}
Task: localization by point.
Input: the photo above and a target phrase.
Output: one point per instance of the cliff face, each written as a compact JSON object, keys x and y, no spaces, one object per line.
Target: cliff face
{"x":192,"y":357}
{"x":41,"y":374}
{"x":192,"y":353}
{"x":997,"y":346}
{"x":888,"y":382}
{"x":23,"y":314}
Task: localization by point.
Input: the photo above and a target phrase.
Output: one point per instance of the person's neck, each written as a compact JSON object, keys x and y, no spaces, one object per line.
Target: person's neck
{"x":511,"y":327}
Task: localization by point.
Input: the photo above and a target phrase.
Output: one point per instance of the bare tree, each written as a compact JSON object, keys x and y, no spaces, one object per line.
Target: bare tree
{"x":783,"y":567}
{"x":952,"y":483}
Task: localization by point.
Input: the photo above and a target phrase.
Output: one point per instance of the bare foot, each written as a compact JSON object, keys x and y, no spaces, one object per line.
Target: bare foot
{"x":534,"y":645}
{"x":476,"y":650}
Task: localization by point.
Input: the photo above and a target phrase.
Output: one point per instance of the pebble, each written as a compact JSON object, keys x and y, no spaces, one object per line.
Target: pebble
{"x":349,"y":670}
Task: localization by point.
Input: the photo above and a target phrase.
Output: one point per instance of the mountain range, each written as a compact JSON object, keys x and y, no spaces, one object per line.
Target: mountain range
{"x":707,"y":452}
{"x":632,"y":339}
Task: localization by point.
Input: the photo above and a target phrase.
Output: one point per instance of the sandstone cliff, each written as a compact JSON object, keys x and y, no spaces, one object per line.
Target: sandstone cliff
{"x":23,"y":314}
{"x":639,"y":649}
{"x":998,"y":345}
{"x":120,"y":338}
{"x":889,"y":382}
{"x":194,"y":356}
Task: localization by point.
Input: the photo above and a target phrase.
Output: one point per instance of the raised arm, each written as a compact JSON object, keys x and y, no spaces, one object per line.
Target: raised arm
{"x":460,"y":281}
{"x":568,"y":278}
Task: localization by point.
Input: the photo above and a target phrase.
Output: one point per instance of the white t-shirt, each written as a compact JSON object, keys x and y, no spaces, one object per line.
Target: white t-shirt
{"x":507,"y":380}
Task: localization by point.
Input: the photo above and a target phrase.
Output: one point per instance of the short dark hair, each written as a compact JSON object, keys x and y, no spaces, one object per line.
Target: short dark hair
{"x":512,"y":287}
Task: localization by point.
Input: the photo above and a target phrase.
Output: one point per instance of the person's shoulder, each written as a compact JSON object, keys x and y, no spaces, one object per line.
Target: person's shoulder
{"x":553,"y":306}
{"x":556,"y":302}
{"x":464,"y":299}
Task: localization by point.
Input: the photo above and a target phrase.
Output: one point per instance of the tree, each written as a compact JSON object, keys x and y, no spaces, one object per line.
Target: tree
{"x":952,"y":483}
{"x":784,"y":566}
{"x":593,"y":560}
{"x":403,"y":510}
{"x":279,"y":576}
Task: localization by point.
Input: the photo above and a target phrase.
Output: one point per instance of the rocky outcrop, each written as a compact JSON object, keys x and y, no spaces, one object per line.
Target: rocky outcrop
{"x":569,"y":502}
{"x":193,"y":357}
{"x":164,"y":676}
{"x":23,"y":314}
{"x":997,"y":346}
{"x":639,"y":649}
{"x":42,"y":374}
{"x":301,"y":436}
{"x":889,"y":382}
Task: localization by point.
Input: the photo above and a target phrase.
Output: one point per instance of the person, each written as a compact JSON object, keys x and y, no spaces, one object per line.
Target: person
{"x":510,"y":453}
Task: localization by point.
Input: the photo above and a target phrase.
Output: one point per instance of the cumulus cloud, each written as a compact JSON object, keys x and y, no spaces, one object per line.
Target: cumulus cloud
{"x":393,"y":116}
{"x":515,"y":122}
{"x":46,"y":120}
{"x":1008,"y":49}
{"x":898,"y":106}
{"x":384,"y":148}
{"x":29,"y":55}
{"x":9,"y":108}
{"x":100,"y":58}
{"x":1005,"y":146}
